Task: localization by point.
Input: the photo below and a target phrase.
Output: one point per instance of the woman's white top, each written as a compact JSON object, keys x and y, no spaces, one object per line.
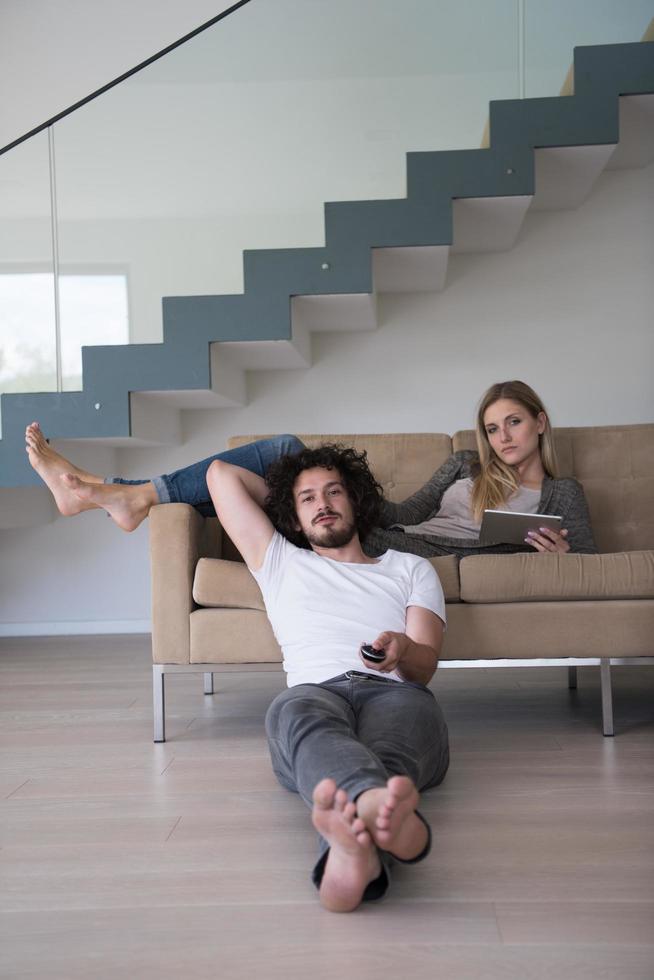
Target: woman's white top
{"x":454,"y":518}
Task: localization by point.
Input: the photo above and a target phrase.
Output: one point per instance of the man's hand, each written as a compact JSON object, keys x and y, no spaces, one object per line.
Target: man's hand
{"x":413,"y":654}
{"x":394,"y":646}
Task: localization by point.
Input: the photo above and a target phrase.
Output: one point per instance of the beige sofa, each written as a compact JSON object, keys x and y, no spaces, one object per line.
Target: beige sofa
{"x":208,"y":615}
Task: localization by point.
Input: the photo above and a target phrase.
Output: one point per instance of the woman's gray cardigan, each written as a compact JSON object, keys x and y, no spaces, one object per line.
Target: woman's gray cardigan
{"x":564,"y":497}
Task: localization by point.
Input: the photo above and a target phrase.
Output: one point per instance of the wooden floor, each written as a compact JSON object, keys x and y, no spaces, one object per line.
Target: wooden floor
{"x":121,"y":858}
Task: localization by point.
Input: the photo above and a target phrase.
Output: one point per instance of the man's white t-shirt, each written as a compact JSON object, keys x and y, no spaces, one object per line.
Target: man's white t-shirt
{"x":322,"y":610}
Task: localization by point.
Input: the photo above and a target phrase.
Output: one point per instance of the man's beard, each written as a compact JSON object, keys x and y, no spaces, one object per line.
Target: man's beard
{"x":331,"y":537}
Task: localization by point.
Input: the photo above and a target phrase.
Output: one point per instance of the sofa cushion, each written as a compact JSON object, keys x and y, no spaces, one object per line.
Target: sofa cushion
{"x":548,"y":577}
{"x":447,"y":569}
{"x":232,"y":636}
{"x":229,"y":584}
{"x":547,"y":630}
{"x":402,"y":463}
{"x":226,"y":584}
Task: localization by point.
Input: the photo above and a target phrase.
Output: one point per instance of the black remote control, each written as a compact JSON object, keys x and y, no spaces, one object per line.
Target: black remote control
{"x":368,"y":652}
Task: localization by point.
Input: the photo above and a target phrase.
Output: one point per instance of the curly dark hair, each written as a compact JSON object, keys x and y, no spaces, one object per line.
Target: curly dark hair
{"x":362,"y":488}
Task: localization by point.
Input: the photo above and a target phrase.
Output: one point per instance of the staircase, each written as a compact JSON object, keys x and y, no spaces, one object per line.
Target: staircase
{"x":543,"y":154}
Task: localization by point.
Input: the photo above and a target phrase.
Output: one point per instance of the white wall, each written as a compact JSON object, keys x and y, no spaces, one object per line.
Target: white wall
{"x":93,"y":41}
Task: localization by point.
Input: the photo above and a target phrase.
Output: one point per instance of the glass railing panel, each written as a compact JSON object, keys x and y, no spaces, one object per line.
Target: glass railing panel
{"x":93,"y":310}
{"x":553,"y":29}
{"x":235,"y":140}
{"x":27,"y":305}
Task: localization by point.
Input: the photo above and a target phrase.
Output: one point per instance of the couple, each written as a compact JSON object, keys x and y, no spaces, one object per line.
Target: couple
{"x":357,"y":739}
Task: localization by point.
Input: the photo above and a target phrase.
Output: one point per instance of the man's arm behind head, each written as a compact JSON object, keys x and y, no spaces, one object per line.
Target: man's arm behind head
{"x":238,"y":498}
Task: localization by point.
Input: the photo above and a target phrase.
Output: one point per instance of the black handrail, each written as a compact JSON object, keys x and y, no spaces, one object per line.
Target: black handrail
{"x":127,"y":74}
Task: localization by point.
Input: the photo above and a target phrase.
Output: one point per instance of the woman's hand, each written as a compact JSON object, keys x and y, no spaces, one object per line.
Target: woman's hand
{"x":547,"y":539}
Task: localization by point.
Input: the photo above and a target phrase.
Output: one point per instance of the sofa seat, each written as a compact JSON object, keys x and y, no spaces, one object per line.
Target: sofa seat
{"x":547,"y":578}
{"x":498,"y":607}
{"x":232,"y":616}
{"x":228,"y":636}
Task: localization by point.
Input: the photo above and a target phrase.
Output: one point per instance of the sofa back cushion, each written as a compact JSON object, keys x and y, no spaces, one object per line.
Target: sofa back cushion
{"x":401,"y":463}
{"x":615,"y":465}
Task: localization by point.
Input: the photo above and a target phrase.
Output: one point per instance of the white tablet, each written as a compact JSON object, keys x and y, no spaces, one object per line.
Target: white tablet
{"x":510,"y":527}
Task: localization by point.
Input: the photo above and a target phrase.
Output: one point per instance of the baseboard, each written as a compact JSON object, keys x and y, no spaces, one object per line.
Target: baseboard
{"x":76,"y":628}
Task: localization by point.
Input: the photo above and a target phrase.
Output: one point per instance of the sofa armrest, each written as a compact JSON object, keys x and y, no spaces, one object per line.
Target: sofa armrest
{"x":179,"y":537}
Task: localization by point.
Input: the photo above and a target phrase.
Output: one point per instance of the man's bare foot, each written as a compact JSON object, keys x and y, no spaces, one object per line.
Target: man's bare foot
{"x":51,"y":466}
{"x":353,"y":861}
{"x":389,"y":814}
{"x":127,"y":505}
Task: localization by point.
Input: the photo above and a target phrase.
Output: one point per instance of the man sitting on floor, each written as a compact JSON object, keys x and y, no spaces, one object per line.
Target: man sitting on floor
{"x":356,"y":739}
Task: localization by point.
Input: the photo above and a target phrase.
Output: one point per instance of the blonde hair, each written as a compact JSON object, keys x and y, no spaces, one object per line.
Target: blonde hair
{"x":497,"y":480}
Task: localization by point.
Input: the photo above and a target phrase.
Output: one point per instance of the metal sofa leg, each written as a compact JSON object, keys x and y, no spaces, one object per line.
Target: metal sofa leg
{"x":158,"y":703}
{"x":607,"y":696}
{"x":208,"y":683}
{"x":572,"y":678}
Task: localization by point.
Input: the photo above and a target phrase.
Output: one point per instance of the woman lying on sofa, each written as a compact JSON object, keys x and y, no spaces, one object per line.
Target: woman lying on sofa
{"x":514,"y":469}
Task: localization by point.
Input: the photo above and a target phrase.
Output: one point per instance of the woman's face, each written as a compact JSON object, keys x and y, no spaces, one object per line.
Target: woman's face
{"x":512,"y":431}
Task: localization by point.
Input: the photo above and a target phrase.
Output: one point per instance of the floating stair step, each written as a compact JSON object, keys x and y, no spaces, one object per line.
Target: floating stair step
{"x":194,"y":321}
{"x":488,"y":224}
{"x":352,"y":311}
{"x":153,"y":422}
{"x":227,"y":390}
{"x":565,"y":174}
{"x":261,"y":355}
{"x":309,"y":314}
{"x":264,"y":355}
{"x":410,"y":269}
{"x":636,"y":145}
{"x":353,"y":227}
{"x":284,"y":272}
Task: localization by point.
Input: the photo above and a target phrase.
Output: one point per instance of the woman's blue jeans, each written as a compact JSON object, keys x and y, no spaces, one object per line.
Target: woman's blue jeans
{"x":189,"y":485}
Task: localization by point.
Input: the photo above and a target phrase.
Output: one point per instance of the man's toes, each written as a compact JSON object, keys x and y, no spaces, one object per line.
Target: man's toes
{"x":361,"y":833}
{"x":340,"y":800}
{"x":349,"y":812}
{"x":358,"y":825}
{"x":323,"y":794}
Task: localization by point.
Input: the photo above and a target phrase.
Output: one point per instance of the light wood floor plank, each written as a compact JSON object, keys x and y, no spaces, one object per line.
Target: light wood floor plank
{"x":207,"y":960}
{"x":186,"y":860}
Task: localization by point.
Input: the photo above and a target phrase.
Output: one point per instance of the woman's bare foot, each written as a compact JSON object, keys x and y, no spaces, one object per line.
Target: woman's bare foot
{"x":389,"y":814}
{"x":127,"y":505}
{"x":51,"y":466}
{"x":353,"y":861}
{"x":76,"y":490}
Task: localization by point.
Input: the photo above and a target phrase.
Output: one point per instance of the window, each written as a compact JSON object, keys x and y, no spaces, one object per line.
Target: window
{"x":93,"y":310}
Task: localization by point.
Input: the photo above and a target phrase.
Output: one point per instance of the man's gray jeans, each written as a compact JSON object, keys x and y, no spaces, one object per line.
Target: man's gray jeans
{"x":358,"y":729}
